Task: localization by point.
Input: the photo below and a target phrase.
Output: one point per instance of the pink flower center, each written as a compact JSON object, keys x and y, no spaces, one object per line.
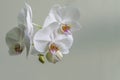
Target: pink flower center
{"x":53,"y":48}
{"x":65,"y":28}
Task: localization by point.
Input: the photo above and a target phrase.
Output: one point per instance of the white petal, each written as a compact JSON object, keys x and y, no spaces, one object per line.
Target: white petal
{"x":29,"y":30}
{"x":63,"y":48}
{"x":14,"y":35}
{"x":54,"y":16}
{"x":41,"y":40}
{"x":44,"y":34}
{"x":29,"y":10}
{"x":41,"y":46}
{"x":27,"y":44}
{"x":49,"y":20}
{"x":25,"y":16}
{"x":70,"y":13}
{"x":67,"y":40}
{"x":29,"y":20}
{"x":22,"y":16}
{"x":64,"y":42}
{"x":25,"y":19}
{"x":64,"y":13}
{"x":56,"y":13}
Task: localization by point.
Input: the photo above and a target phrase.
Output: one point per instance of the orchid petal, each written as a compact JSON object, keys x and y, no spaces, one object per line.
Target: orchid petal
{"x":29,"y":20}
{"x":63,"y":13}
{"x":55,"y":13}
{"x":27,"y":44}
{"x":67,"y":40}
{"x":70,"y":13}
{"x":44,"y":34}
{"x":29,"y":10}
{"x":22,"y":16}
{"x":64,"y":42}
{"x":49,"y":20}
{"x":41,"y":46}
{"x":43,"y":37}
{"x":41,"y":40}
{"x":25,"y":16}
{"x":63,"y":48}
{"x":14,"y":35}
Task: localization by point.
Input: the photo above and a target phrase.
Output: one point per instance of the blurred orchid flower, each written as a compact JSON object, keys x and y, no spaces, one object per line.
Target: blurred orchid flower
{"x":66,"y":17}
{"x":15,"y":41}
{"x":23,"y":32}
{"x":48,"y":41}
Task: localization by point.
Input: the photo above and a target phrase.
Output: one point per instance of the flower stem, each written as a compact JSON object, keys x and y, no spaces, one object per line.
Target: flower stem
{"x":37,"y":25}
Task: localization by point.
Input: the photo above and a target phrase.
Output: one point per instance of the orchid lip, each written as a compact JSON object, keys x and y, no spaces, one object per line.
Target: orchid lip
{"x":52,"y":51}
{"x":18,"y":48}
{"x":53,"y":48}
{"x":68,"y":32}
{"x":66,"y":29}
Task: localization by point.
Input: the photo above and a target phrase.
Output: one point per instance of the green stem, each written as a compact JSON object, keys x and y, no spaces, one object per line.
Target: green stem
{"x":37,"y":25}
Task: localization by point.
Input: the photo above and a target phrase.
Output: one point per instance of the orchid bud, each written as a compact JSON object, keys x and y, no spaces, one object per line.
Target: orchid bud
{"x":41,"y":58}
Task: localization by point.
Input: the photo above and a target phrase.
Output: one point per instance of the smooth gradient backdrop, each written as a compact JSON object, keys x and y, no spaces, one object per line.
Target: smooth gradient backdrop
{"x":95,"y":54}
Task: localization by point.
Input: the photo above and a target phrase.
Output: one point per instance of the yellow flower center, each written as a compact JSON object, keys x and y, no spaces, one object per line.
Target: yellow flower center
{"x":65,"y":28}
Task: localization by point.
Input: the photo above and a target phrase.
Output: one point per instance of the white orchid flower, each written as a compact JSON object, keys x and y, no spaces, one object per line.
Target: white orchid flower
{"x":15,"y":41}
{"x":66,"y":17}
{"x":21,"y":35}
{"x":48,"y":42}
{"x":25,"y":19}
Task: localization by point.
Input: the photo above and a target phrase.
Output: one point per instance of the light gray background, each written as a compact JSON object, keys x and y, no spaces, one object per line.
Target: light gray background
{"x":95,"y":54}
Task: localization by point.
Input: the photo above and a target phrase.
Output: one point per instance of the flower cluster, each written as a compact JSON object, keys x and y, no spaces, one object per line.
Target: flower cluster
{"x":53,"y":40}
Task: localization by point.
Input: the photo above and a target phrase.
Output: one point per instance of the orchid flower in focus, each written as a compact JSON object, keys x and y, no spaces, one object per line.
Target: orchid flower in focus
{"x":23,"y":32}
{"x":48,"y":42}
{"x":66,"y":17}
